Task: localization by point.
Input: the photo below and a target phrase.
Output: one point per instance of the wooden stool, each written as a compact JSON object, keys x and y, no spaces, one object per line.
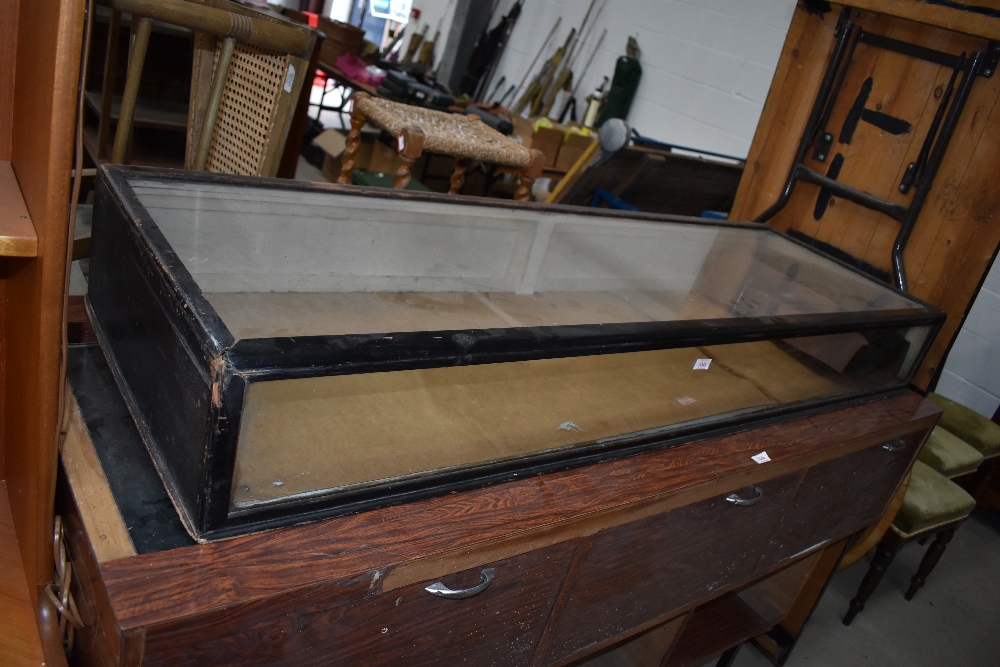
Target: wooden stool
{"x":949,"y":454}
{"x":466,"y":138}
{"x":978,"y":432}
{"x":933,"y":505}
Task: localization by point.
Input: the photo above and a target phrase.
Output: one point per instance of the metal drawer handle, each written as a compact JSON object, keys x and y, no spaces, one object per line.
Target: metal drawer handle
{"x":746,"y":502}
{"x":895,"y":446}
{"x":442,"y":591}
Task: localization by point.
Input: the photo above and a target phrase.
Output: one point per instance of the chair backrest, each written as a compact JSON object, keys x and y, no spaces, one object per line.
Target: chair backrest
{"x":248,"y":73}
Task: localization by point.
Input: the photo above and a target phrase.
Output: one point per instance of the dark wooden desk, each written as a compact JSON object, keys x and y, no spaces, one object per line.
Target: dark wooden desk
{"x":643,"y":555}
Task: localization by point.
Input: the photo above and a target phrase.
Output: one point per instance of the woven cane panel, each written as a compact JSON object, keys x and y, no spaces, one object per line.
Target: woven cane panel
{"x":246,"y":114}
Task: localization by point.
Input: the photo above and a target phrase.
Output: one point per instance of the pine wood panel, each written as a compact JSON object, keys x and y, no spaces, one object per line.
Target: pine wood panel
{"x":17,"y":234}
{"x":47,"y":65}
{"x":947,"y":17}
{"x":8,"y":52}
{"x":97,"y":507}
{"x":954,"y":238}
{"x":19,"y":640}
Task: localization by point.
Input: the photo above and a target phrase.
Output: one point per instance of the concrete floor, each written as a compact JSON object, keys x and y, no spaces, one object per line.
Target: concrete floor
{"x":954,"y":621}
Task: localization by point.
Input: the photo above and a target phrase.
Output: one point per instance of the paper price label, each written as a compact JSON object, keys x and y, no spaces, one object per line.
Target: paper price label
{"x":761,"y":458}
{"x":702,"y":364}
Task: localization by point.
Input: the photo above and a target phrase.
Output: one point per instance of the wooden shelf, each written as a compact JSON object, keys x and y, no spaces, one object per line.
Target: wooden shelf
{"x":161,"y":115}
{"x":716,"y":627}
{"x":147,"y":151}
{"x":17,"y":233}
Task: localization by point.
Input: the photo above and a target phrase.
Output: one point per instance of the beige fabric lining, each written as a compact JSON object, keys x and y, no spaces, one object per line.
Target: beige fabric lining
{"x":451,"y":134}
{"x":309,"y":434}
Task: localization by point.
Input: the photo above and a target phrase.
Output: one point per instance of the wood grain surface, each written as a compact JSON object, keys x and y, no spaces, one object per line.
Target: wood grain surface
{"x":97,"y":507}
{"x":8,"y":59}
{"x":341,"y":559}
{"x":45,"y":86}
{"x":648,"y":569}
{"x":19,"y":640}
{"x":499,"y":626}
{"x":952,"y":18}
{"x":17,"y":234}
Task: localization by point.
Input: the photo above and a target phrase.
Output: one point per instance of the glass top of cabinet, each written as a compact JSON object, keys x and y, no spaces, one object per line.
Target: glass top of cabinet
{"x":286,"y":263}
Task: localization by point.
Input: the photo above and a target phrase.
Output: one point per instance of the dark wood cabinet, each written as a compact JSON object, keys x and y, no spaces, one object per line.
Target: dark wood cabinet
{"x":841,"y":496}
{"x":621,"y":555}
{"x":409,"y":626}
{"x":645,"y":570}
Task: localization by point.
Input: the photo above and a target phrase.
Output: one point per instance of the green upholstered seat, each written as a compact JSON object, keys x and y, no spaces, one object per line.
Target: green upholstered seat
{"x":969,"y":425}
{"x":931,"y":500}
{"x":949,"y":454}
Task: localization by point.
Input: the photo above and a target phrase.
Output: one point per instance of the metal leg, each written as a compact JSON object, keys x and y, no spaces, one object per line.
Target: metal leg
{"x":844,"y":29}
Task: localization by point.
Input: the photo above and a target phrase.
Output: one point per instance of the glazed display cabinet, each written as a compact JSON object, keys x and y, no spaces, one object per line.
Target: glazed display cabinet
{"x":295,"y":351}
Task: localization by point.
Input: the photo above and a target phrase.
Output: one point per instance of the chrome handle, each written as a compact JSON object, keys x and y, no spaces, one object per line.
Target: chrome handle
{"x":442,"y":591}
{"x":746,"y":502}
{"x":895,"y":446}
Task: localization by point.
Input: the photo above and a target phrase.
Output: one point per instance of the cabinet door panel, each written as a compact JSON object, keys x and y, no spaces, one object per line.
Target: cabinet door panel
{"x":841,"y":496}
{"x":643,"y":570}
{"x":499,"y":626}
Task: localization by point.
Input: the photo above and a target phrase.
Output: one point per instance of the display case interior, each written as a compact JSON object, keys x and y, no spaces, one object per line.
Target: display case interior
{"x":291,"y":351}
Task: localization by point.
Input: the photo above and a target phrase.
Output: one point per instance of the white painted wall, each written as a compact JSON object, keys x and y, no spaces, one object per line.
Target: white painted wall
{"x":707,"y":64}
{"x":971,"y":372}
{"x":431,"y":14}
{"x":430,"y":10}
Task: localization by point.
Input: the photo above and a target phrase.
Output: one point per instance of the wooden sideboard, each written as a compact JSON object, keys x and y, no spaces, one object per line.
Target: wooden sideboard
{"x":642,"y":555}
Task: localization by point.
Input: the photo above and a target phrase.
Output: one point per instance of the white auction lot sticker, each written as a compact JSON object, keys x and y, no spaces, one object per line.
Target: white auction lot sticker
{"x":702,"y":364}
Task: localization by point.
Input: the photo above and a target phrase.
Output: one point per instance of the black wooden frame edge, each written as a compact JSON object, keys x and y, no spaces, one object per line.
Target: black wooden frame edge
{"x":205,"y":329}
{"x":312,"y":356}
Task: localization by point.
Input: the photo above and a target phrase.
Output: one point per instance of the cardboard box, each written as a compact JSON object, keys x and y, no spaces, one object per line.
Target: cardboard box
{"x":333,"y":142}
{"x":522,"y":130}
{"x":572,"y":150}
{"x":548,"y":140}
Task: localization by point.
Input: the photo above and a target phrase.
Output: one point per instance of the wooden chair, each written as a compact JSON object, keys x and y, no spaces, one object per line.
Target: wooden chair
{"x":466,"y":138}
{"x":249,"y":71}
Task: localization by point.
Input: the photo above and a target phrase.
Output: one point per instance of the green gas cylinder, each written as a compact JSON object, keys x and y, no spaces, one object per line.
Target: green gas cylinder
{"x":628,"y":71}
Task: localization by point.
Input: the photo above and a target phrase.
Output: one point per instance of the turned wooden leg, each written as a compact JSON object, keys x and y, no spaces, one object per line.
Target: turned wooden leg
{"x":458,"y":176}
{"x":885,"y":552}
{"x":930,"y":559}
{"x":529,"y":174}
{"x":411,"y":144}
{"x":349,"y":158}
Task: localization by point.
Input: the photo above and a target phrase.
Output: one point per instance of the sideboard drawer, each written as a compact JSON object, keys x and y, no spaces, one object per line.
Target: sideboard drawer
{"x":498,"y":626}
{"x":841,"y":496}
{"x":643,"y":570}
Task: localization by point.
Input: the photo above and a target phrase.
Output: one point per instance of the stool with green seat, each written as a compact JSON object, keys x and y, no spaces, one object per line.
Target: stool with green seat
{"x":933,"y":505}
{"x":949,"y":454}
{"x":977,"y":431}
